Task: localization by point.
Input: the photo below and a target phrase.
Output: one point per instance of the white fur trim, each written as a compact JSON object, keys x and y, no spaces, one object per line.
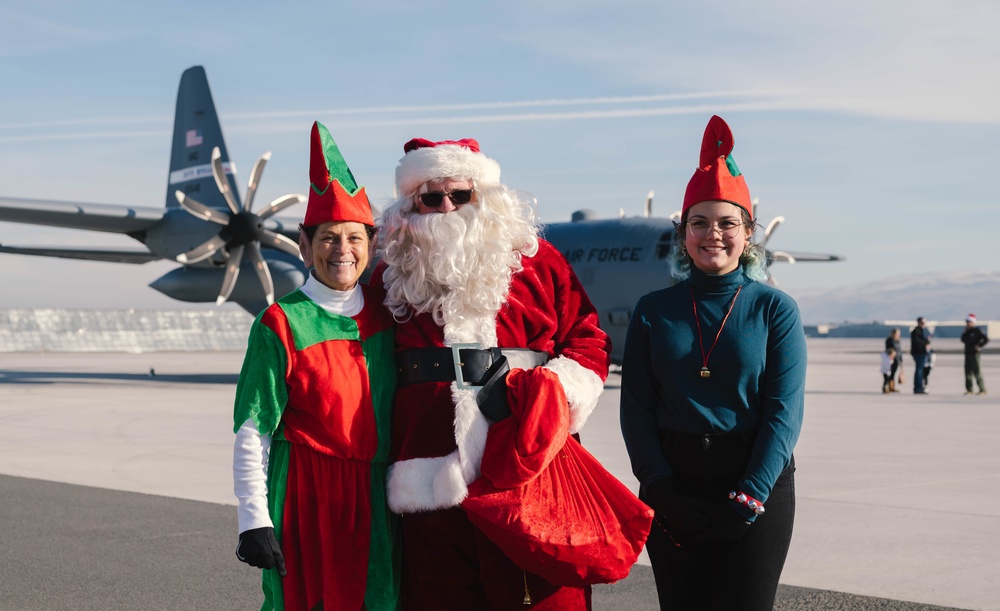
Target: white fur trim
{"x":424,"y":484}
{"x":471,"y":428}
{"x":444,"y":161}
{"x":583,"y":388}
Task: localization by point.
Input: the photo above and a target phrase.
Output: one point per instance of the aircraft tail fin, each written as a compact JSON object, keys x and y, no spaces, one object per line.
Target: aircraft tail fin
{"x":196,"y":132}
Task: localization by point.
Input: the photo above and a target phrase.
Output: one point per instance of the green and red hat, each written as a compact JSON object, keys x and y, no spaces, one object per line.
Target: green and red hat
{"x":717,"y":177}
{"x":334,"y":195}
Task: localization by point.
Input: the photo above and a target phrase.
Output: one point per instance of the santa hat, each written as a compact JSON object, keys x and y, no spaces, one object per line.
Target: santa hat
{"x":334,"y":196}
{"x":971,"y":318}
{"x":717,"y":177}
{"x":425,"y":160}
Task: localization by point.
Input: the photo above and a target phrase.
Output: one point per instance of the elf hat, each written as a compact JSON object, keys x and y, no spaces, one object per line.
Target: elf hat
{"x":717,"y":177}
{"x":425,"y":160}
{"x":971,"y":318}
{"x":334,"y":196}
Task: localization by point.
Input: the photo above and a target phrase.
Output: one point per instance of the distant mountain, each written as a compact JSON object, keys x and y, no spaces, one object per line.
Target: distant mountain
{"x":935,"y":296}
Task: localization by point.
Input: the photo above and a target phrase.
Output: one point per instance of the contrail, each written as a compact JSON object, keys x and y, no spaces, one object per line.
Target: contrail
{"x":585,"y":115}
{"x":638,"y":99}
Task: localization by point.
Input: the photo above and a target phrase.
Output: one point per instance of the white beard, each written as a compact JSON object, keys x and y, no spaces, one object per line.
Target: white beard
{"x":456,"y":266}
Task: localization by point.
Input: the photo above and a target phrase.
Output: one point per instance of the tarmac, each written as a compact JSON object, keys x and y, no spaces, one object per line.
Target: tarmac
{"x":116,"y":493}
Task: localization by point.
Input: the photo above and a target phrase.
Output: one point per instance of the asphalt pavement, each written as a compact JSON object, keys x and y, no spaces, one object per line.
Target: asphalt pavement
{"x":116,"y":490}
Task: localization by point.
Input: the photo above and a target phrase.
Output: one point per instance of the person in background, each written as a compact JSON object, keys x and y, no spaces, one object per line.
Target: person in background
{"x":920,"y":342}
{"x":467,"y":277}
{"x":888,"y":360}
{"x":929,"y":364}
{"x":312,"y":415}
{"x":712,"y":400}
{"x":974,"y":339}
{"x":892,"y":341}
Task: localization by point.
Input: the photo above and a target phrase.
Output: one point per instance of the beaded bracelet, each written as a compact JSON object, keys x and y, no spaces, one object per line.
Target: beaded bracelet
{"x":744,"y":499}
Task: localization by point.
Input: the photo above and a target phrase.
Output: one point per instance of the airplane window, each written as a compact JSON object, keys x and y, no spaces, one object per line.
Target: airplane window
{"x":663,"y":246}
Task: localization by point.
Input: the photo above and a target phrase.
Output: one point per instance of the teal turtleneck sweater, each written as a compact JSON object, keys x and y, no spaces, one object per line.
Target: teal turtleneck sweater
{"x":758,"y":373}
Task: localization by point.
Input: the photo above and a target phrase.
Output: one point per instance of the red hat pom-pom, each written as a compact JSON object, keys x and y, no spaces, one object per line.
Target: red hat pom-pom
{"x":319,"y":173}
{"x":717,"y":142}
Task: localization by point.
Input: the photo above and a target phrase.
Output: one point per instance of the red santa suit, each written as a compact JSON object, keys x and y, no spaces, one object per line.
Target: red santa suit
{"x":439,"y":435}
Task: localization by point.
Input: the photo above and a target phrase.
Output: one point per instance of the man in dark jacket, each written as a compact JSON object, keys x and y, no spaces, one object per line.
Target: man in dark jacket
{"x":920,"y":341}
{"x":974,"y":339}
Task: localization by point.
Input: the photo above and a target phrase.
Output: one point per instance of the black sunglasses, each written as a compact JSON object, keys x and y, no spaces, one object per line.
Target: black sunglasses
{"x":458,"y":197}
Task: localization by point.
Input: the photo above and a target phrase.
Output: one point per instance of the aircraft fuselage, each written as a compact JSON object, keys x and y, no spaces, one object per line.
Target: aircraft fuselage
{"x":617,"y":261}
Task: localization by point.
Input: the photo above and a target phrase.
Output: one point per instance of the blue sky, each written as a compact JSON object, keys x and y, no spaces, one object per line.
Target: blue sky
{"x":869,"y":125}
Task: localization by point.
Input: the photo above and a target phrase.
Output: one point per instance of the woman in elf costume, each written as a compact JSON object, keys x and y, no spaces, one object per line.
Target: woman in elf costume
{"x":713,"y":386}
{"x":312,"y":416}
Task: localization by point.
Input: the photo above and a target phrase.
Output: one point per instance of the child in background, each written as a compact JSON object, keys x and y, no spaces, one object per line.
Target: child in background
{"x":888,"y":358}
{"x":929,"y":364}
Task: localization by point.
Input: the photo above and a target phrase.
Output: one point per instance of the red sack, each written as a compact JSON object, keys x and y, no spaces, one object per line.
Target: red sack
{"x":554,"y":511}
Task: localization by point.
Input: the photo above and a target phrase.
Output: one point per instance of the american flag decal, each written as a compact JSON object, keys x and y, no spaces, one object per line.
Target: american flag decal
{"x":192,"y":137}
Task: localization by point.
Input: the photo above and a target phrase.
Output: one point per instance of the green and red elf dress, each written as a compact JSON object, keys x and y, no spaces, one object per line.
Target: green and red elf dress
{"x":318,"y":386}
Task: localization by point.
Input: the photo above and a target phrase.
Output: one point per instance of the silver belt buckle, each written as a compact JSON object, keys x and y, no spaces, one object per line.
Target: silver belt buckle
{"x":456,"y":359}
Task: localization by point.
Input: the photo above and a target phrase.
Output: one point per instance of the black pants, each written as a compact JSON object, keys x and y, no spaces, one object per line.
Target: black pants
{"x":720,"y":575}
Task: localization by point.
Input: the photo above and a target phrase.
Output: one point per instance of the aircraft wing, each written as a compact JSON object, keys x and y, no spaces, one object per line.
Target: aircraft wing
{"x":799,"y":257}
{"x":285,"y":226}
{"x":92,"y":217}
{"x":137,"y":257}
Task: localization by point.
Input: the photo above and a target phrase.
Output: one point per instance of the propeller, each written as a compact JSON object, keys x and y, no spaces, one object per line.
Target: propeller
{"x":772,"y":255}
{"x":769,"y":230}
{"x":242,"y":231}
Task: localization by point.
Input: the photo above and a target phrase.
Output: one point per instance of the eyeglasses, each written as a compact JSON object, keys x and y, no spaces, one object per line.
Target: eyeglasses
{"x":434,"y":199}
{"x":726,"y":228}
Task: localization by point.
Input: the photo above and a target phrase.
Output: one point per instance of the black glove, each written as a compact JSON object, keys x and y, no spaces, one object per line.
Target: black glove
{"x":728,"y":524}
{"x":684,"y":513}
{"x":259,"y":548}
{"x":492,"y":397}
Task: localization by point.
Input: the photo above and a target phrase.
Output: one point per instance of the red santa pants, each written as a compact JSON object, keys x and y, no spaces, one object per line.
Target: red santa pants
{"x":448,"y":564}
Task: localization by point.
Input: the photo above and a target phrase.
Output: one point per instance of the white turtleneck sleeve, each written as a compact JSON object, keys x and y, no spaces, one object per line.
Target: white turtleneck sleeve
{"x":250,"y":455}
{"x":251,"y":449}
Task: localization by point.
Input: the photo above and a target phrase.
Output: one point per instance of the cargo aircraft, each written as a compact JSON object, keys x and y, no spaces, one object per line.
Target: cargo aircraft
{"x":227,"y":251}
{"x":205,"y":225}
{"x":618,"y":260}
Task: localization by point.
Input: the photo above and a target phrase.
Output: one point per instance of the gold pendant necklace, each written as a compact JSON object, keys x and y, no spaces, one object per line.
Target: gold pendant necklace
{"x":705,"y":373}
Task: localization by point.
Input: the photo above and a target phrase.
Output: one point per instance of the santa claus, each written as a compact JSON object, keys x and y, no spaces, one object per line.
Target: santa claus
{"x":477,"y":297}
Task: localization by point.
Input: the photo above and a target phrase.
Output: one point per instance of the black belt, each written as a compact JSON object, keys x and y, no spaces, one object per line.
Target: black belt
{"x":439,"y":364}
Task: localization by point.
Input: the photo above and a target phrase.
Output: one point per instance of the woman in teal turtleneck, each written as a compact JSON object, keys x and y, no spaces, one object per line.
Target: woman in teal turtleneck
{"x":713,"y":381}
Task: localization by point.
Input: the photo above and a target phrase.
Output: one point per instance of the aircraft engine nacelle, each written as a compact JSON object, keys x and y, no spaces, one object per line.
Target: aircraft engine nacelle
{"x":201,"y":285}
